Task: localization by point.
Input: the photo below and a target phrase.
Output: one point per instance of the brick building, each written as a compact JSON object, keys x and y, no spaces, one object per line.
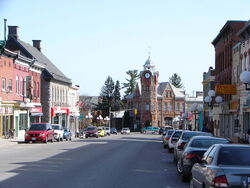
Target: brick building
{"x":157,"y":103}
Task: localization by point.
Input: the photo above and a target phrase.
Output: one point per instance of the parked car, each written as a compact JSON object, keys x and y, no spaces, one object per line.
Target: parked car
{"x":113,"y":131}
{"x":82,"y":133}
{"x":194,"y":151}
{"x":107,"y":130}
{"x":150,"y":130}
{"x":223,"y":165}
{"x":164,"y":130}
{"x":173,"y":139}
{"x":125,"y":131}
{"x":101,"y":131}
{"x":42,"y":132}
{"x":67,"y":135}
{"x":91,"y":131}
{"x":184,"y":138}
{"x":165,"y":139}
{"x":58,"y":132}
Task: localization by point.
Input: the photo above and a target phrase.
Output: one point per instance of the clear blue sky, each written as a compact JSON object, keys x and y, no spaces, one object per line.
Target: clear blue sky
{"x":91,"y":39}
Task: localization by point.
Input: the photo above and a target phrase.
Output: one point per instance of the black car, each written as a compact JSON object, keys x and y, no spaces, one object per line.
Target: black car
{"x":67,"y":135}
{"x":194,"y":151}
{"x":113,"y":131}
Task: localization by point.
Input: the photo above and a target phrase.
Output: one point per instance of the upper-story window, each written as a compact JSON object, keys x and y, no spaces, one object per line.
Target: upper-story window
{"x":9,"y":85}
{"x":17,"y":85}
{"x":34,"y":89}
{"x":165,"y":107}
{"x":147,"y":107}
{"x":21,"y":86}
{"x":38,"y":89}
{"x":3,"y":84}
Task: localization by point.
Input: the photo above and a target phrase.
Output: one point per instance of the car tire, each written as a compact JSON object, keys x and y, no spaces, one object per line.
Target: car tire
{"x":86,"y":136}
{"x":61,"y":139}
{"x":58,"y":140}
{"x":70,"y":138}
{"x":26,"y":141}
{"x":164,"y":146}
{"x":184,"y":176}
{"x":179,"y":166}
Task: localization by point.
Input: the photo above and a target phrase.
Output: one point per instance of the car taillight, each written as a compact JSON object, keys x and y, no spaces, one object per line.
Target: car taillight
{"x":167,"y":138}
{"x":182,"y":144}
{"x":220,"y":181}
{"x":192,"y":155}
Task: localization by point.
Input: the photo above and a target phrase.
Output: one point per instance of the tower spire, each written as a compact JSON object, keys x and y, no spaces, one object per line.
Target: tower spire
{"x":149,"y":52}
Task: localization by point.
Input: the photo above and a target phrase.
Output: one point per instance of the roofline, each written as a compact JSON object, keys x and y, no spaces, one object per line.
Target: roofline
{"x":223,"y":28}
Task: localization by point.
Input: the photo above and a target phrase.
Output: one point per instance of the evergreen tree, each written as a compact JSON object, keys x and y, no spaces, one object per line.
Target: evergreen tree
{"x":131,"y":82}
{"x":175,"y":80}
{"x":117,"y":96}
{"x":107,"y":97}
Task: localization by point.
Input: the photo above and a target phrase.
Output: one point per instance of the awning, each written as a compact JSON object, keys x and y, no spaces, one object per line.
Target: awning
{"x":36,"y":114}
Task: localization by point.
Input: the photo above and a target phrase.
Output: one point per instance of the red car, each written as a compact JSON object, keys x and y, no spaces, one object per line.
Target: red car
{"x":42,"y":132}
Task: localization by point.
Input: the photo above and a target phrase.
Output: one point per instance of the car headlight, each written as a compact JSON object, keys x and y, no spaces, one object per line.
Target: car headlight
{"x":42,"y":134}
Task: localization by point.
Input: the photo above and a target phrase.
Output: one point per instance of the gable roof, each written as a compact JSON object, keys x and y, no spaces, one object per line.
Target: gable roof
{"x":161,"y":88}
{"x":41,"y":58}
{"x":178,"y":92}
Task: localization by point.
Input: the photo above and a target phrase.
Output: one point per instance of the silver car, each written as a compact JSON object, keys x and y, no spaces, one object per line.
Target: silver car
{"x":223,"y":165}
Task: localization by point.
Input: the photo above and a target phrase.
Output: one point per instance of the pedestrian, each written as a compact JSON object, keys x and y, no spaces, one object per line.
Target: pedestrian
{"x":248,"y":133}
{"x":204,"y":128}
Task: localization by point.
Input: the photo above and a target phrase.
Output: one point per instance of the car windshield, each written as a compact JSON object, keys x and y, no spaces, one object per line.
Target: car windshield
{"x":206,"y":143}
{"x":170,"y":132}
{"x":37,"y":127}
{"x":91,"y":129}
{"x":188,"y":135}
{"x":177,"y":134}
{"x":113,"y":129}
{"x":56,"y":127}
{"x":234,"y":156}
{"x":125,"y":129}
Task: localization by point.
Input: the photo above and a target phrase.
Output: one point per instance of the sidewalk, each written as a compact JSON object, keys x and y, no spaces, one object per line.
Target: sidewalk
{"x":9,"y":142}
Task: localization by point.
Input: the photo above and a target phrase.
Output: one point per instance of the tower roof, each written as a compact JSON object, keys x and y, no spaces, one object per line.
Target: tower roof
{"x":149,"y":65}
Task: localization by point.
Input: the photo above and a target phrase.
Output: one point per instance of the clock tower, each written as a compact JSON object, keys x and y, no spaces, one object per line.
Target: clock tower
{"x":149,"y":83}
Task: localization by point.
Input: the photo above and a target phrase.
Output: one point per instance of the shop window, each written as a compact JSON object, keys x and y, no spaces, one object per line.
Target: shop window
{"x":23,"y":121}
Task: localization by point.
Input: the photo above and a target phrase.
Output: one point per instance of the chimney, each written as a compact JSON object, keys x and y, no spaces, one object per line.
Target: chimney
{"x":13,"y":32}
{"x":37,"y":44}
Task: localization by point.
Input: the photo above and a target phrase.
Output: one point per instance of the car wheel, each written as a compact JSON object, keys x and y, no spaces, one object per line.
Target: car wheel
{"x":164,"y":146}
{"x":26,"y":141}
{"x":179,"y":167}
{"x":61,"y":139}
{"x":86,"y":136}
{"x":70,"y":138}
{"x":184,"y":176}
{"x":58,"y":140}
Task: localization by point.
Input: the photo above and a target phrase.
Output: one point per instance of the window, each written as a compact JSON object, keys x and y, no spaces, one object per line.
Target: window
{"x":34,"y":89}
{"x":21,"y":86}
{"x":23,"y":121}
{"x":38,"y":90}
{"x":9,"y":85}
{"x":17,"y":85}
{"x":147,"y":107}
{"x":3,"y":83}
{"x":165,"y":107}
{"x":25,"y":87}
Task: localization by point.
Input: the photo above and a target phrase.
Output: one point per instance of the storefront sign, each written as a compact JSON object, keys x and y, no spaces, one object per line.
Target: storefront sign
{"x":36,"y":110}
{"x":59,"y":110}
{"x":225,"y":89}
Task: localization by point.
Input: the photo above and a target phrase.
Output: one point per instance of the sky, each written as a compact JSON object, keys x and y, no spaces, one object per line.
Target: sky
{"x":89,"y":40}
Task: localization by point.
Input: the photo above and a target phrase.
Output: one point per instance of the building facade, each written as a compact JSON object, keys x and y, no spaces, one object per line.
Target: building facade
{"x":157,"y":104}
{"x":226,"y":114}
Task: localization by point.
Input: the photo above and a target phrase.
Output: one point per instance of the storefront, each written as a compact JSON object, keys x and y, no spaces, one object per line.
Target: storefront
{"x":6,"y":119}
{"x":60,"y":115}
{"x":35,"y":114}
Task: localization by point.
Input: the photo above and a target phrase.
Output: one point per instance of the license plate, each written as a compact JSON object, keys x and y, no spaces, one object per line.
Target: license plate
{"x":33,"y":138}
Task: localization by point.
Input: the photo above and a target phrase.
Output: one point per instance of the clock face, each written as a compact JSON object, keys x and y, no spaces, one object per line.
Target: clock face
{"x":147,"y":75}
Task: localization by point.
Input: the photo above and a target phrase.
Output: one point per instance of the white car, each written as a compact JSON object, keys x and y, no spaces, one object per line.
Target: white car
{"x":58,"y":132}
{"x":107,"y":129}
{"x":125,"y":131}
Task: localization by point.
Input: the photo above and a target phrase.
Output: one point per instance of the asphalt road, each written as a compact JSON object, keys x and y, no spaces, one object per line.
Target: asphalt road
{"x":122,"y":161}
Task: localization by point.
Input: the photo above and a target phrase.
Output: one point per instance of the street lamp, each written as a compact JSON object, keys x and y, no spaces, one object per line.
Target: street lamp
{"x":208,"y":99}
{"x":184,"y":117}
{"x":89,"y":117}
{"x":107,"y":119}
{"x":195,"y":109}
{"x":245,"y":78}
